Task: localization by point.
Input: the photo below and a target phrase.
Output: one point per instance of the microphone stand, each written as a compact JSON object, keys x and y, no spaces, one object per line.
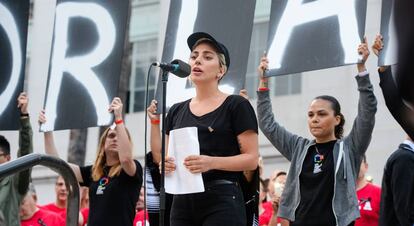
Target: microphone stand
{"x":162,"y":183}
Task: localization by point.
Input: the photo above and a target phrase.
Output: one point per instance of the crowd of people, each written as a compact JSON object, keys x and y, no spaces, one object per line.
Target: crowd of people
{"x":324,"y":185}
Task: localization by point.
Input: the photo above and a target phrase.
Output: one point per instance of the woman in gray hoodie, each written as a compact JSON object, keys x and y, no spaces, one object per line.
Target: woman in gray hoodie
{"x":320,"y":188}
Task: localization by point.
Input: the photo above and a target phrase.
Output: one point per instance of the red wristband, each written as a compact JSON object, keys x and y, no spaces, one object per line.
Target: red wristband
{"x":155,"y":121}
{"x":119,"y":121}
{"x":263,"y":89}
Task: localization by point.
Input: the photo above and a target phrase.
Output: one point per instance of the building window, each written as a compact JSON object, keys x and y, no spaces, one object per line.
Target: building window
{"x":144,"y":53}
{"x":287,"y":84}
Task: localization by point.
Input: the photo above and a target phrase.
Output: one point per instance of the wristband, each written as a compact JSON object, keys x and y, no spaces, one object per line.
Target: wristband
{"x":263,"y":89}
{"x":119,"y":121}
{"x":24,"y":114}
{"x":155,"y":121}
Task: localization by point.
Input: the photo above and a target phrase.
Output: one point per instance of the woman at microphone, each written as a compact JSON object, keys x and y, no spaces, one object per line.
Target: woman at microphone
{"x":227,"y":133}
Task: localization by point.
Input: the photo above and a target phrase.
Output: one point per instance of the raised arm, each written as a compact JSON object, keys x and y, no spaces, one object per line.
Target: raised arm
{"x":403,"y":114}
{"x":283,"y":140}
{"x":155,"y":133}
{"x":50,"y":147}
{"x":395,"y":104}
{"x":126,"y":157}
{"x":25,"y":142}
{"x":363,"y":126}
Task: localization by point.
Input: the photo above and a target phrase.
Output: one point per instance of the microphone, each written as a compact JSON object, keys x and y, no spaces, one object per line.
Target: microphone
{"x":177,"y":67}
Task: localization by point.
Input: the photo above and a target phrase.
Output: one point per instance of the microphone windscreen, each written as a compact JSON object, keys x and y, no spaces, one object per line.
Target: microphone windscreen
{"x":183,"y":69}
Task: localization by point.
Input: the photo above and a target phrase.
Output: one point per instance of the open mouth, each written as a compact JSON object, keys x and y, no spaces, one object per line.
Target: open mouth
{"x":197,"y":70}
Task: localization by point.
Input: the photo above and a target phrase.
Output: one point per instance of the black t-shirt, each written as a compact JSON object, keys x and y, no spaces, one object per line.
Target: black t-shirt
{"x":230,"y":119}
{"x":112,"y":201}
{"x":397,"y":195}
{"x":317,"y":187}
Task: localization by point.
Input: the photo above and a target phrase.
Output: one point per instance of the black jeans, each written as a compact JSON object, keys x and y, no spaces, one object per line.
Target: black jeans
{"x":220,"y":204}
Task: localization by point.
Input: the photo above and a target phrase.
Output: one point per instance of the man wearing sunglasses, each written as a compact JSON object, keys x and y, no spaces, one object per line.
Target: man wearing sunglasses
{"x":14,"y":187}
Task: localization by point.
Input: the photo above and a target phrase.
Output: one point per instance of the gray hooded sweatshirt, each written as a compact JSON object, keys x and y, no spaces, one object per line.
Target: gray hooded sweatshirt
{"x":347,"y":152}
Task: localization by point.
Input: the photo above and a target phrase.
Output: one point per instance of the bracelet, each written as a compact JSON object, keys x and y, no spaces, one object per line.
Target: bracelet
{"x":24,"y":114}
{"x":263,"y":89}
{"x":155,"y":121}
{"x":119,"y":121}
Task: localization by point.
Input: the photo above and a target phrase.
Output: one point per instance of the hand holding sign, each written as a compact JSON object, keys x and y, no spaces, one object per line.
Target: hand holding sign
{"x":116,"y":108}
{"x":377,"y":48}
{"x":263,"y":66}
{"x":22,"y":102}
{"x":363,"y":51}
{"x":378,"y":45}
{"x":42,"y":117}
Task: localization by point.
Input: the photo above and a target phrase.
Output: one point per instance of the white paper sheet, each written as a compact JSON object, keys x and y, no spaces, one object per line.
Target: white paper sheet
{"x":182,"y":143}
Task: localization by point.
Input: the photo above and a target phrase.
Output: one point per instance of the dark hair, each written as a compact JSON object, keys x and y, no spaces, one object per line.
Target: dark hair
{"x":336,"y":107}
{"x":364,"y":158}
{"x":4,"y":145}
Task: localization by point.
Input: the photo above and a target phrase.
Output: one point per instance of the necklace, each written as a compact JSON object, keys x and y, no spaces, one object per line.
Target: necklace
{"x":317,"y":160}
{"x":320,"y":156}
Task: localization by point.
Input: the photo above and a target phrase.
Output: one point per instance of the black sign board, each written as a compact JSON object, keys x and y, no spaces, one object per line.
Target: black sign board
{"x":85,"y":63}
{"x":230,"y":22}
{"x":308,"y":35}
{"x":14,"y":16}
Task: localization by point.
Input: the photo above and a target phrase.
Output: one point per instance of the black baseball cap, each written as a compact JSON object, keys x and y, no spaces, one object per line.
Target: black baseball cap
{"x":193,"y":38}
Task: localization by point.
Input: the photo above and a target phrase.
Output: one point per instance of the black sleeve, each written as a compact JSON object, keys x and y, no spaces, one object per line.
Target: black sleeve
{"x":402,"y":187}
{"x":169,"y":119}
{"x":243,"y":117}
{"x":25,"y":148}
{"x":401,"y":112}
{"x":137,"y":177}
{"x":86,"y":173}
{"x":154,"y":171}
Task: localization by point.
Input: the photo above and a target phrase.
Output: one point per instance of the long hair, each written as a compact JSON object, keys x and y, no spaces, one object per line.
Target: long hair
{"x":336,"y":107}
{"x":97,"y":168}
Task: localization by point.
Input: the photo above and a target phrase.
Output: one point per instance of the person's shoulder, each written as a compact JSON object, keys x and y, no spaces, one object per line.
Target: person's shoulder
{"x":402,"y":154}
{"x":237,"y":98}
{"x":138,"y":164}
{"x":178,"y":106}
{"x":234,"y":101}
{"x":51,"y":217}
{"x":50,"y":207}
{"x":374,"y":188}
{"x":400,"y":159}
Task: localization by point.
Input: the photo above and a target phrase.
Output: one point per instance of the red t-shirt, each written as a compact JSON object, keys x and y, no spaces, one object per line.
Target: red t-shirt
{"x":85,"y":215}
{"x":369,"y":198}
{"x":264,"y":218}
{"x":53,"y":208}
{"x":139,"y":219}
{"x":62,"y":211}
{"x":45,"y":217}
